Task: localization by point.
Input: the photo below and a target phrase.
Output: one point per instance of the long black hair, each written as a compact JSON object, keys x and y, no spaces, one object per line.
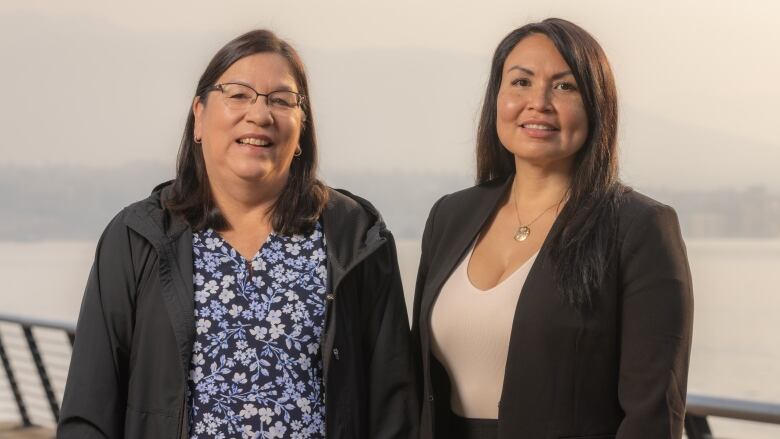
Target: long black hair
{"x":581,"y":248}
{"x":304,"y":196}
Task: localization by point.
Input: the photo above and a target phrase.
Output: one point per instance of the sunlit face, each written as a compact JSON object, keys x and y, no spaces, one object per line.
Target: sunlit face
{"x":541,"y":116}
{"x":259,"y":143}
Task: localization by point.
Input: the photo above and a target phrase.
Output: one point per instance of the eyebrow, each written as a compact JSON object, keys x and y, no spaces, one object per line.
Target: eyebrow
{"x":530,"y":72}
{"x":283,"y":87}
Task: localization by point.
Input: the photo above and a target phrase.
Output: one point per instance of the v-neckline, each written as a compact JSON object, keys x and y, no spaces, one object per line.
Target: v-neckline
{"x":230,"y":246}
{"x":467,"y":261}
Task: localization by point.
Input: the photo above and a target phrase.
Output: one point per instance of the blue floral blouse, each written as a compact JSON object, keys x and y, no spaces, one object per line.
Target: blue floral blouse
{"x":256,"y":368}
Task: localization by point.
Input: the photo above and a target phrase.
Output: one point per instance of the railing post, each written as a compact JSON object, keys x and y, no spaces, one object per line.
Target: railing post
{"x":9,"y":373}
{"x":55,"y":408}
{"x":697,"y":427}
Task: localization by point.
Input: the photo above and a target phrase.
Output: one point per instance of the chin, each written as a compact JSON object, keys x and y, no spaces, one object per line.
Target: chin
{"x":542,"y":158}
{"x":253,"y":172}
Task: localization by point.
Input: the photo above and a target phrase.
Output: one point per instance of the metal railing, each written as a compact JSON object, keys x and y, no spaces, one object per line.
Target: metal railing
{"x":699,"y":407}
{"x":46,"y":355}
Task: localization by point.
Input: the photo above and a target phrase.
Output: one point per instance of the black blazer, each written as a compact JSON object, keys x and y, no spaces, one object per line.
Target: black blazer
{"x":618,"y":370}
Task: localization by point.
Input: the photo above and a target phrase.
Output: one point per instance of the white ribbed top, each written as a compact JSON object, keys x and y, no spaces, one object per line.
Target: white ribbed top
{"x":471,"y":329}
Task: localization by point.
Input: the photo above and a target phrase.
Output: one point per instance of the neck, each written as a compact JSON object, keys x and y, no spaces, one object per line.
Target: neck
{"x":538,"y":187}
{"x":246,"y":203}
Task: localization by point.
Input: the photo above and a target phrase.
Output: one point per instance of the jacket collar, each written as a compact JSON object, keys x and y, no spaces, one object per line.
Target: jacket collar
{"x":152,"y":221}
{"x":353,"y":230}
{"x":352,"y":224}
{"x":477,"y":208}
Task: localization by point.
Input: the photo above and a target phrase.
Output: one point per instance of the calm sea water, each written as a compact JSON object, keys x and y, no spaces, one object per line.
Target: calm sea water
{"x":736,"y":350}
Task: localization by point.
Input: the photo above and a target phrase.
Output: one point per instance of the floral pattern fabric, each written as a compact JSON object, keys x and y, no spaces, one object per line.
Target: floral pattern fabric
{"x":256,"y":368}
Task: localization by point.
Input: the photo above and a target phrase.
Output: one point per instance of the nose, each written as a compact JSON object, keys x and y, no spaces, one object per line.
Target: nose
{"x":541,"y":98}
{"x":259,"y":113}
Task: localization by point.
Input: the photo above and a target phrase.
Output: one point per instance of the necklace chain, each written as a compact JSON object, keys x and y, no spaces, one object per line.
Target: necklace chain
{"x":523,"y":231}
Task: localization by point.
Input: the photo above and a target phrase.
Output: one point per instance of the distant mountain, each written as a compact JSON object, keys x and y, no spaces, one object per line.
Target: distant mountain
{"x":48,"y":203}
{"x":752,"y":212}
{"x":64,"y":203}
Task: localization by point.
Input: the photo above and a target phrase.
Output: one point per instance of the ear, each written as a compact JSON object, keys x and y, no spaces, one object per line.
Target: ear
{"x":197,"y":111}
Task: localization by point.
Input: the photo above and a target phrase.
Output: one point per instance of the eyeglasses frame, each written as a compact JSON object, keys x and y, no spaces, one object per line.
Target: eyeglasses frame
{"x":301,"y":97}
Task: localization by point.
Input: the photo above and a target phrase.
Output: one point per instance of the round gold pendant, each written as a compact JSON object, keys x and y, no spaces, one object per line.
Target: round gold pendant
{"x":522,"y":233}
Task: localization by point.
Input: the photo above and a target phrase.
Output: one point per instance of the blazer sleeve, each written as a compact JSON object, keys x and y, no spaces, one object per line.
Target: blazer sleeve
{"x":656,"y":326}
{"x":95,"y":393}
{"x":393,"y":408}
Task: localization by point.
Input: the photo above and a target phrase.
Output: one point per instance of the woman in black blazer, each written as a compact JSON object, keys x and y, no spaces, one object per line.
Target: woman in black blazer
{"x":596,"y":339}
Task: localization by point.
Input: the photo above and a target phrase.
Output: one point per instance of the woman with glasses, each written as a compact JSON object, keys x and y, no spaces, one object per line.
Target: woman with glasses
{"x":552,"y":301}
{"x":244,"y":299}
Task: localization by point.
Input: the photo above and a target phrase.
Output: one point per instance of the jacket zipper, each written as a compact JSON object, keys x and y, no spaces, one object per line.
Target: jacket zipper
{"x":330,"y":316}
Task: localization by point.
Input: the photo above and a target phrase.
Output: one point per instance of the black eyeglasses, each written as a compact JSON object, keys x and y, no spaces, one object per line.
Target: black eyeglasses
{"x":240,"y":97}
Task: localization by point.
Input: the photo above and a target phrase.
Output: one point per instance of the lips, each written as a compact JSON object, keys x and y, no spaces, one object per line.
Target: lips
{"x":539,"y":129}
{"x":539,"y":126}
{"x":535,"y":124}
{"x":255,"y":140}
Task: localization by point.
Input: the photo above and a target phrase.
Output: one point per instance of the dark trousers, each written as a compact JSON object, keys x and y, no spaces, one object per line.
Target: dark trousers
{"x":467,"y":428}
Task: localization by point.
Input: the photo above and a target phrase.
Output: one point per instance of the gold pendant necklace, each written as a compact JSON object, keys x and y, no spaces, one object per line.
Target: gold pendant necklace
{"x":524,"y":230}
{"x":522,"y":233}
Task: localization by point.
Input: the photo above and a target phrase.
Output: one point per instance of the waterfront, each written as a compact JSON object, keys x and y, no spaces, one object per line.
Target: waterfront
{"x":737,"y":319}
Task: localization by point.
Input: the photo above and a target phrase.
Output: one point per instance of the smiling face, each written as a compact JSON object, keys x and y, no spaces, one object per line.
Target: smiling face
{"x":257,"y":144}
{"x":541,"y":117}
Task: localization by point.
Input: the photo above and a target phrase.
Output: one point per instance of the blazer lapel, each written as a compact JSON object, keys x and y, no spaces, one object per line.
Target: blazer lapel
{"x":467,"y":223}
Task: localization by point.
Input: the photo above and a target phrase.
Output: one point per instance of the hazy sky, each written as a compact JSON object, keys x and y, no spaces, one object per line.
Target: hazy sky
{"x":100,"y":83}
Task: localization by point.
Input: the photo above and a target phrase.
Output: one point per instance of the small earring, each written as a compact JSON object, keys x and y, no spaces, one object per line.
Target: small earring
{"x":197,"y":140}
{"x":298,"y":152}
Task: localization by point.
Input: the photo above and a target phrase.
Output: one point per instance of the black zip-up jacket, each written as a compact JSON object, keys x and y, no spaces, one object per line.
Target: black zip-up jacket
{"x":134,"y":337}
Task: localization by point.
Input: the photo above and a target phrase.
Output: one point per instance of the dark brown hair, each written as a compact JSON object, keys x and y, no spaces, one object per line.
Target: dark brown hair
{"x":581,"y":248}
{"x":304,"y":196}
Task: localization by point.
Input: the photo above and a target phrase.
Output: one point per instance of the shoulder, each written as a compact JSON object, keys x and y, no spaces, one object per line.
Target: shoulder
{"x":637,"y":210}
{"x":144,"y":220}
{"x":351,"y":223}
{"x":344,"y":202}
{"x":647,"y":223}
{"x":465,"y":199}
{"x":458,"y":212}
{"x":344,"y":207}
{"x":633,"y":202}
